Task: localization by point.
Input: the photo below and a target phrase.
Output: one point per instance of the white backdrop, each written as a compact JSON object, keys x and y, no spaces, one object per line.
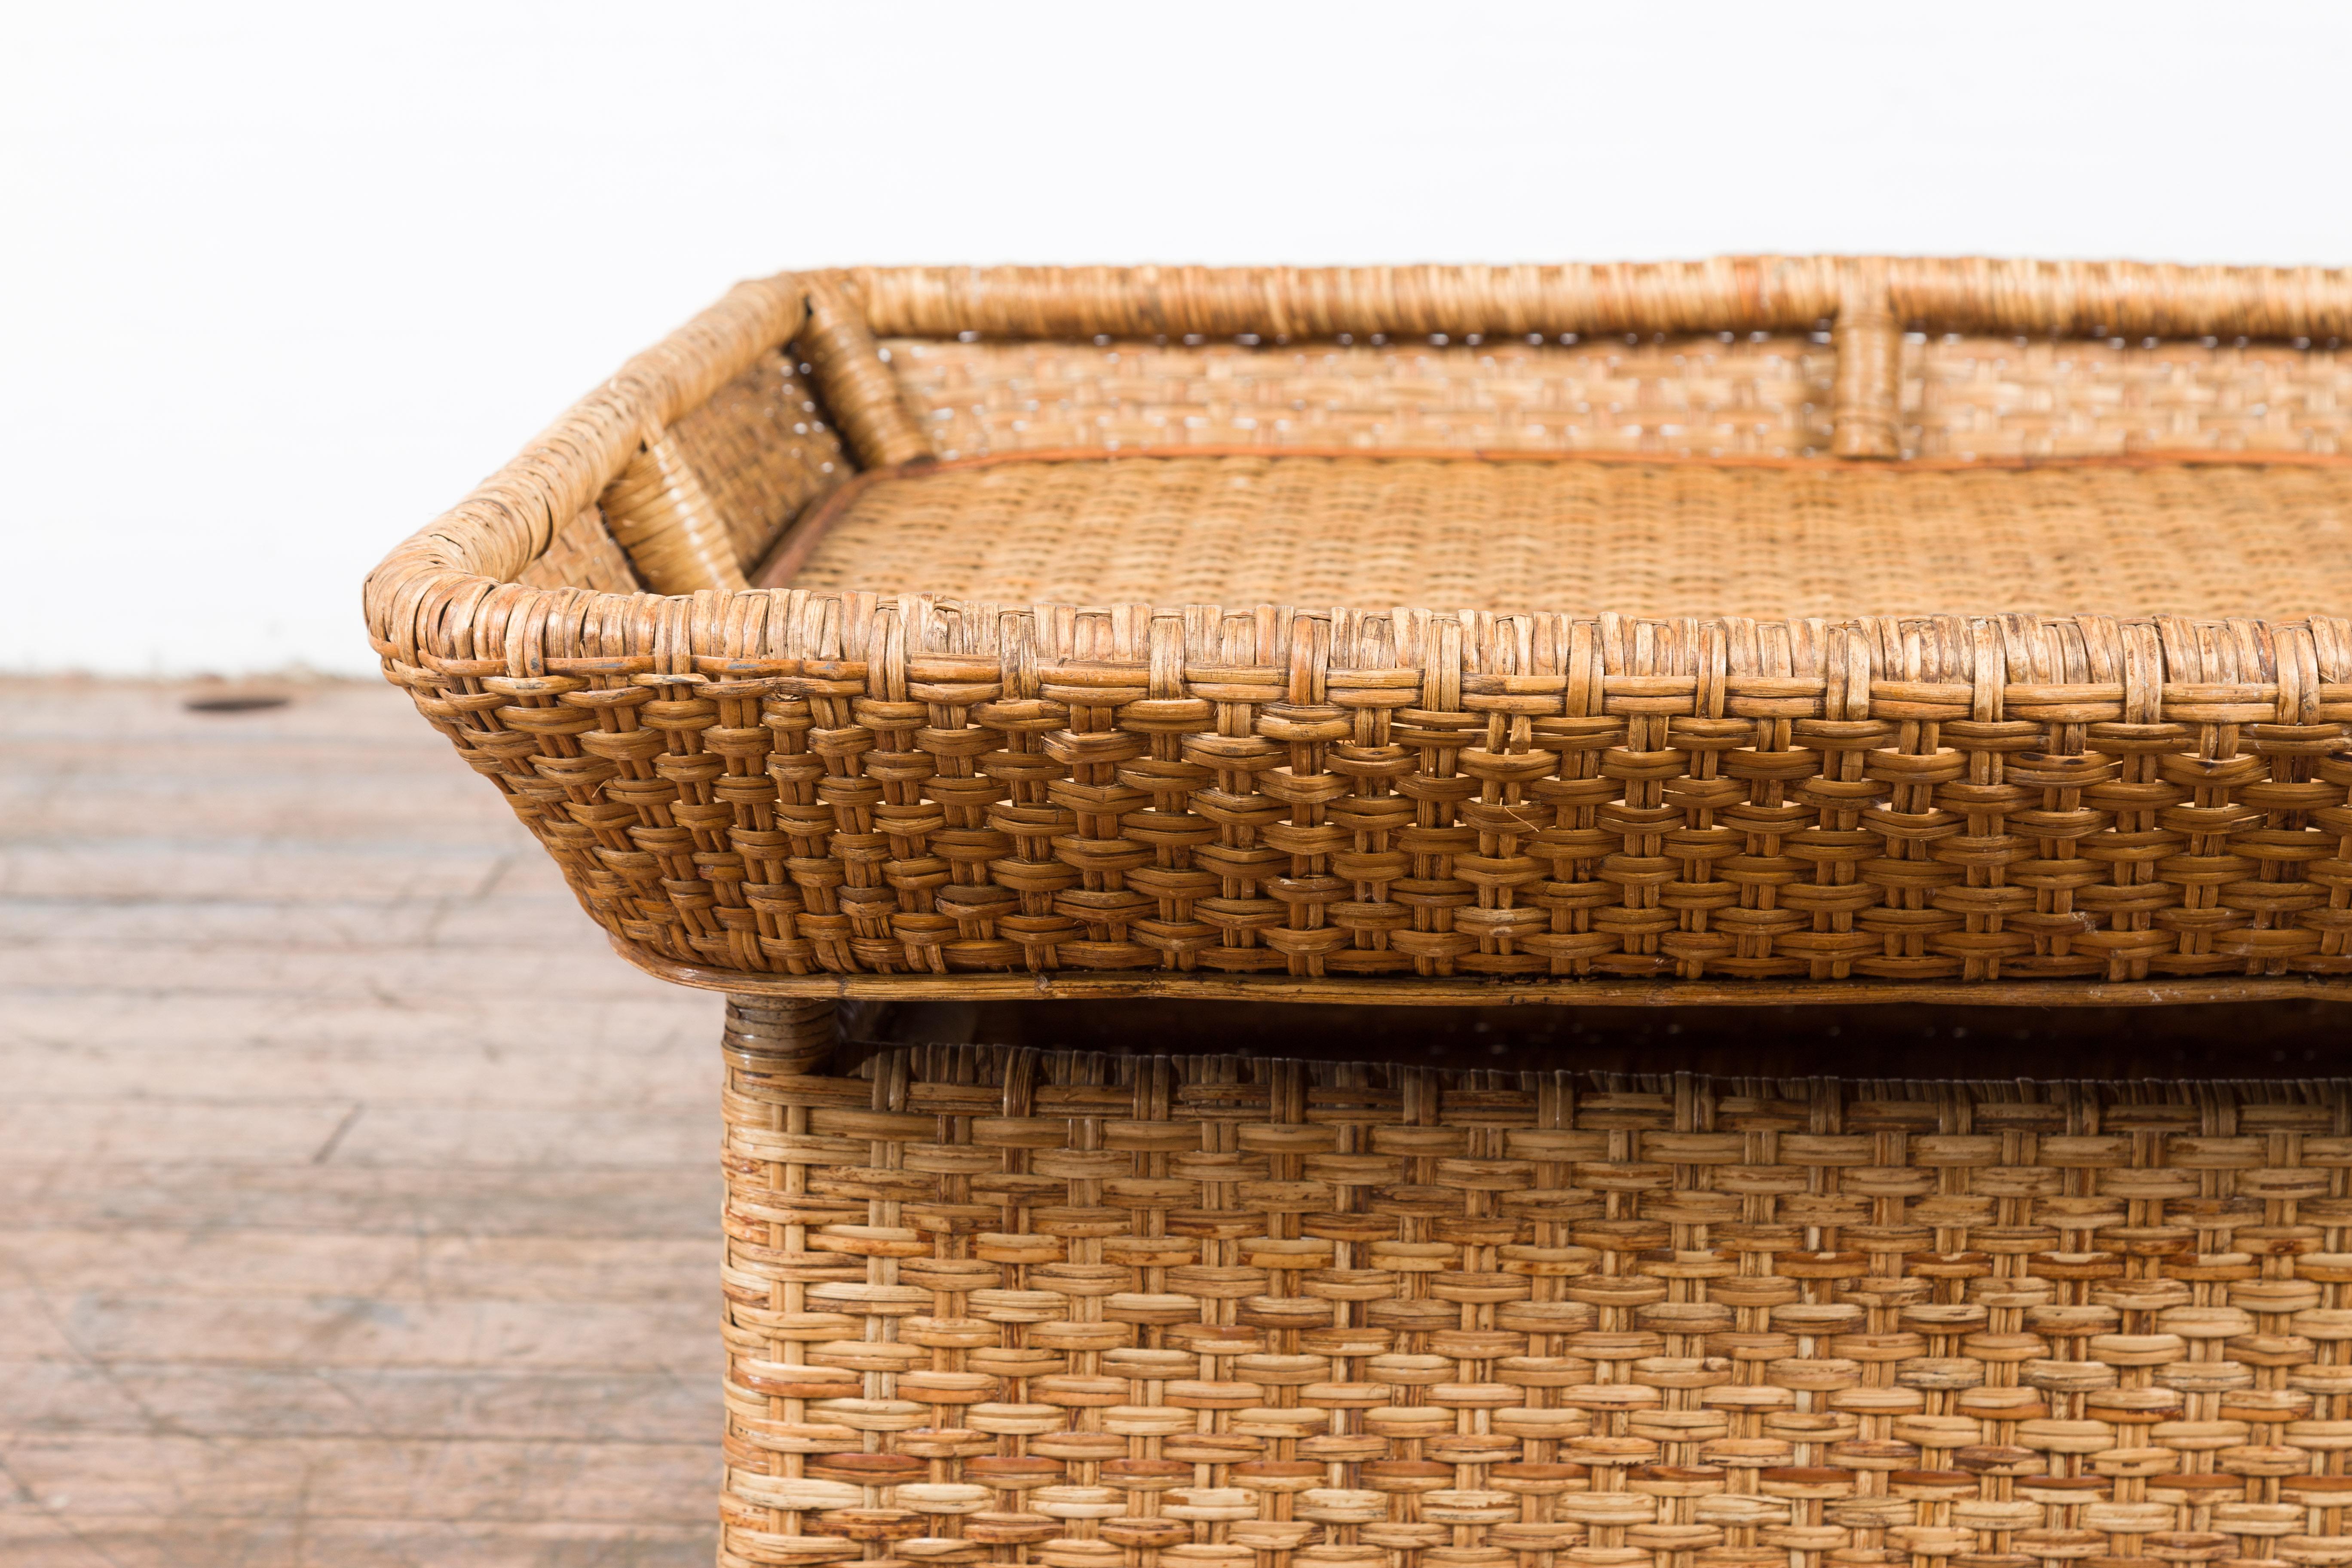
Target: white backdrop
{"x":278,"y":284}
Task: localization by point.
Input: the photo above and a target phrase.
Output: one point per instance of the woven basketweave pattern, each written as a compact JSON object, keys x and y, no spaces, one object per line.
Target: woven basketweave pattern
{"x":1939,"y":798}
{"x":1663,"y":539}
{"x":710,"y":492}
{"x":1973,"y":397}
{"x":583,"y":555}
{"x":2033,"y":669}
{"x":1707,"y":396}
{"x":763,"y":450}
{"x":1101,"y":1313}
{"x":1689,"y":395}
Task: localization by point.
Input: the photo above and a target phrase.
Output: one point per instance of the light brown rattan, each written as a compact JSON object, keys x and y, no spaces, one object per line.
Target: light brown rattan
{"x":1777,"y":704}
{"x":1769,"y":397}
{"x":988,"y":1305}
{"x":714,"y":489}
{"x":1581,"y":537}
{"x":1716,"y":394}
{"x":583,"y":554}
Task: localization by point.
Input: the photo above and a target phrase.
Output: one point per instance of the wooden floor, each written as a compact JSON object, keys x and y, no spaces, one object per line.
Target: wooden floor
{"x":357,"y":1206}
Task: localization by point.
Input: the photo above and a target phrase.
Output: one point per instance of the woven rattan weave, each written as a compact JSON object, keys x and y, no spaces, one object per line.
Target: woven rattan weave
{"x":1763,"y":622}
{"x":1087,"y":1311}
{"x":1581,"y":537}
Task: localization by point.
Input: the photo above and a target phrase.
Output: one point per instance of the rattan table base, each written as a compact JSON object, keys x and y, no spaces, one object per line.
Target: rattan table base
{"x":987,"y":1304}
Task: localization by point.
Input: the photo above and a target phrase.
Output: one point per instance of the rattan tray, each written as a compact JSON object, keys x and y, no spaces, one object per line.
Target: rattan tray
{"x":1757,"y":628}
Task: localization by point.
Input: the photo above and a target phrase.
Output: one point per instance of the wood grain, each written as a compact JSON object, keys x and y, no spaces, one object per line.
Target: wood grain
{"x":287,"y":1275}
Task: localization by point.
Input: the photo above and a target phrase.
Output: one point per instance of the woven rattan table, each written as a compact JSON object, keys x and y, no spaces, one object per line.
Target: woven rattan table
{"x":1758,"y":629}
